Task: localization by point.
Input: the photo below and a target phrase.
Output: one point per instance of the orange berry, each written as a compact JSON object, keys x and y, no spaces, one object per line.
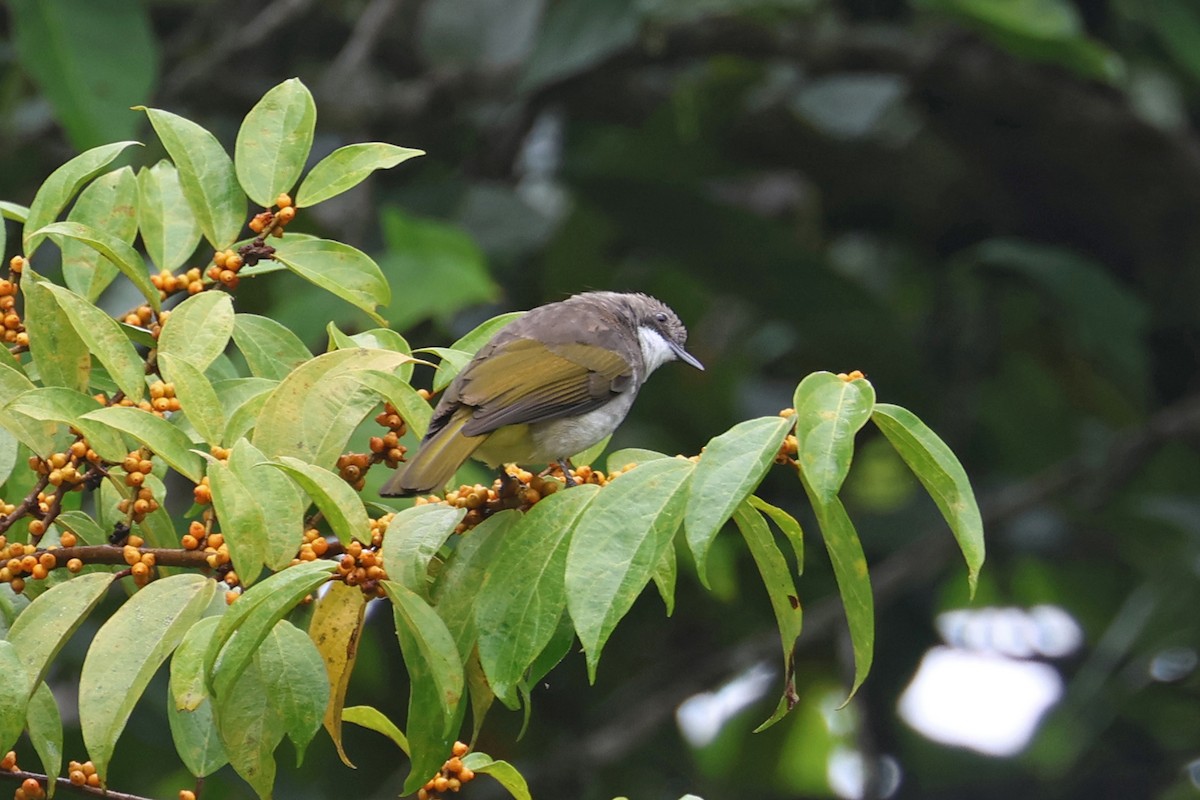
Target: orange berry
{"x":284,"y":200}
{"x":460,"y":749}
{"x":74,"y":565}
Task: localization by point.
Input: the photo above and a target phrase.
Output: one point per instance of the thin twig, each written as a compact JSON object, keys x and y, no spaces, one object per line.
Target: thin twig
{"x":64,"y":784}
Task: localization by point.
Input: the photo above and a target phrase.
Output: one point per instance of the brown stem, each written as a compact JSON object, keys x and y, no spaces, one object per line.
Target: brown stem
{"x":64,"y":784}
{"x":23,"y":507}
{"x":111,"y":554}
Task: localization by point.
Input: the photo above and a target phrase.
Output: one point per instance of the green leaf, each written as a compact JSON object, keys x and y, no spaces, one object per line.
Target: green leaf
{"x":295,"y":681}
{"x":251,"y":727}
{"x":347,"y":167}
{"x":339,"y":503}
{"x":460,"y":578}
{"x":505,"y":773}
{"x":271,"y":350}
{"x":373,"y":719}
{"x":14,"y":696}
{"x":853,"y":580}
{"x":242,"y":418}
{"x":315,"y":409}
{"x":44,"y":723}
{"x":253,"y":616}
{"x":617,"y":545}
{"x":787,"y":524}
{"x":206,"y":174}
{"x":522,"y":598}
{"x":198,"y":329}
{"x":160,"y":436}
{"x":15,"y":211}
{"x":440,"y":267}
{"x":194,"y":732}
{"x":414,"y":409}
{"x":436,"y":676}
{"x":781,"y":589}
{"x":620,"y":459}
{"x":335,"y":629}
{"x":577,"y":34}
{"x":170,"y":237}
{"x":67,"y":407}
{"x":452,"y":363}
{"x":376,"y":338}
{"x":196,"y":396}
{"x":45,"y":625}
{"x":108,"y":204}
{"x":281,"y":501}
{"x":939,"y":470}
{"x":120,"y":254}
{"x":413,"y":538}
{"x":67,"y":47}
{"x":103,"y":337}
{"x":339,"y":269}
{"x":242,"y":521}
{"x":61,"y":357}
{"x":9,"y":447}
{"x":829,"y":411}
{"x":139,"y":637}
{"x":62,"y":185}
{"x":730,"y":469}
{"x":274,"y":140}
{"x":664,"y":578}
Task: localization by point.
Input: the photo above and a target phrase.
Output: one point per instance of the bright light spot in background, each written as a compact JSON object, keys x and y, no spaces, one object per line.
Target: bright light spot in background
{"x":701,"y":716}
{"x":987,"y":702}
{"x":1173,"y":664}
{"x":846,"y":777}
{"x":981,"y":692}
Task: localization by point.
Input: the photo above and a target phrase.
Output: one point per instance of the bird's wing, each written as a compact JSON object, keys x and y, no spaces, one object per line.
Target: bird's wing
{"x":523,"y":380}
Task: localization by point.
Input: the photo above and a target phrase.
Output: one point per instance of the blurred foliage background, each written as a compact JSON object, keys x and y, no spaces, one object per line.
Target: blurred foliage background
{"x":991,"y":207}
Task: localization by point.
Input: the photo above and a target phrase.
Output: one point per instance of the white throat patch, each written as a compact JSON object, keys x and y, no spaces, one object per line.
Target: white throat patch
{"x":655,"y":349}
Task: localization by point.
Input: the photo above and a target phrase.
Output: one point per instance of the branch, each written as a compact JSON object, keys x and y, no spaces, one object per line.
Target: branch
{"x":64,"y":784}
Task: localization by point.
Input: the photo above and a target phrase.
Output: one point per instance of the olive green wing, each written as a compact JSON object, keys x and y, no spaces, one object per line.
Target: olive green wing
{"x":524,"y":380}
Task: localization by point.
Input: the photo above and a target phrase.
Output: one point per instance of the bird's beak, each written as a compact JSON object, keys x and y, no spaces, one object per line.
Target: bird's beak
{"x":685,"y":356}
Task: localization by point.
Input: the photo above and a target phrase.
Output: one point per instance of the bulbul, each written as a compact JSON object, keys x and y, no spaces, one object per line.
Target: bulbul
{"x":547,"y":386}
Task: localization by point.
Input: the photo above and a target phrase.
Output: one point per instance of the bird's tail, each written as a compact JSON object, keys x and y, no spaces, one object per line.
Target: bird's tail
{"x":436,"y":461}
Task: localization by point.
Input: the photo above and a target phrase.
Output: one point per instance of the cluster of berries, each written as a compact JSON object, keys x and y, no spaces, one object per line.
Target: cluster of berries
{"x":168,"y":283}
{"x":225,"y":267}
{"x":272,"y":223}
{"x":14,"y":328}
{"x":450,"y":778}
{"x":137,"y":466}
{"x":68,"y":469}
{"x":144,"y":316}
{"x":141,"y":564}
{"x":216,"y":554}
{"x":386,"y":449}
{"x":83,"y":774}
{"x":362,"y":566}
{"x":313,"y":547}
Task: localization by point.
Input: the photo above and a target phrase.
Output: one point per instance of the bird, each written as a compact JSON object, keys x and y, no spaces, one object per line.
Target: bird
{"x":545,"y":387}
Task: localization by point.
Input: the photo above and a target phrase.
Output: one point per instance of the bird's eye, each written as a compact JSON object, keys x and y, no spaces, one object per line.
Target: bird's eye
{"x":661,"y":317}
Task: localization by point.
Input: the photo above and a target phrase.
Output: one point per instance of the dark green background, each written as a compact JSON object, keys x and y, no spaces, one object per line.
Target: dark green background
{"x":990,"y":207}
